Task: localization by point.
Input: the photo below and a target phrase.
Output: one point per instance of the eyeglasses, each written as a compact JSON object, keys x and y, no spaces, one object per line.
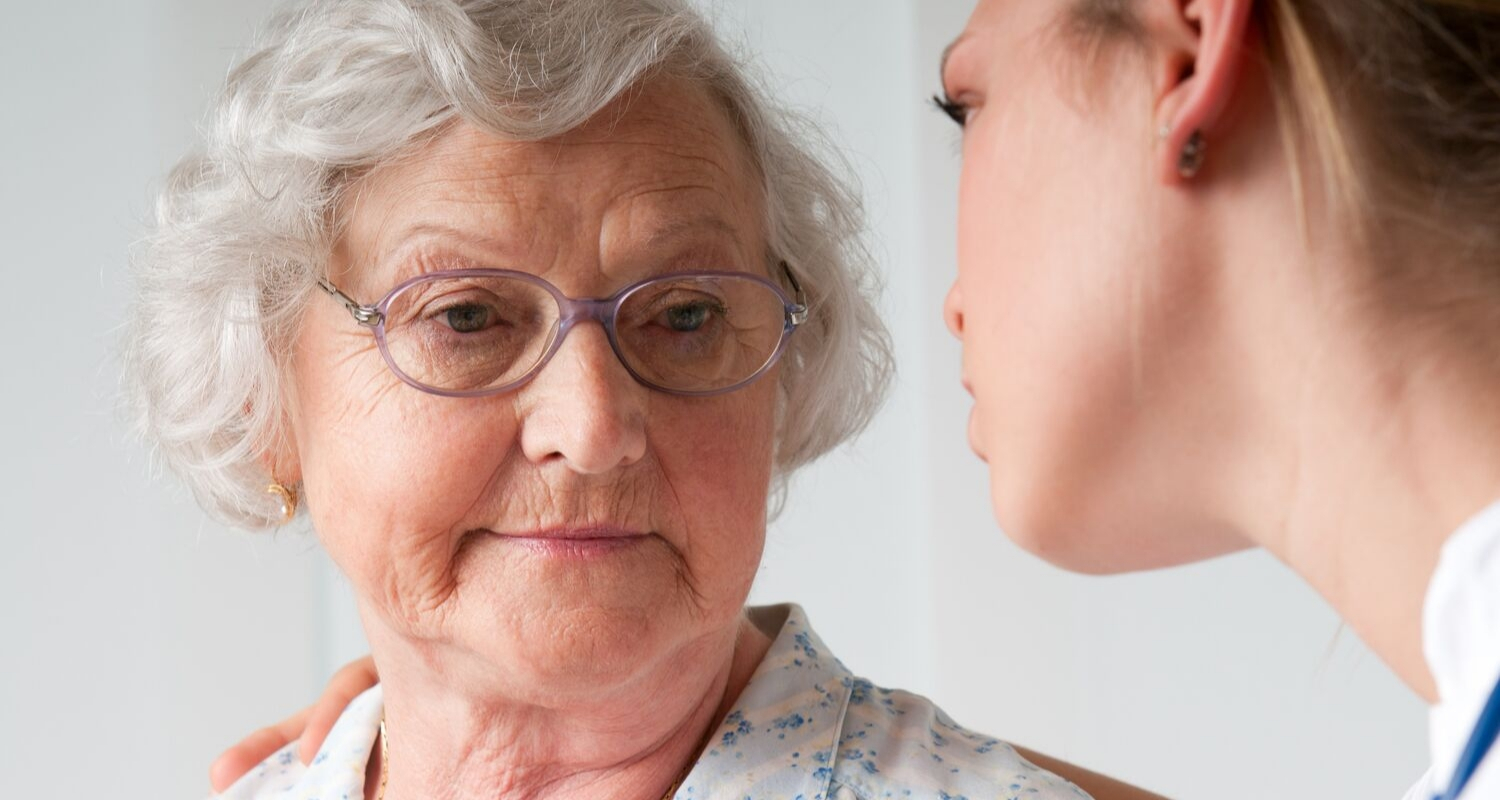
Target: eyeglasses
{"x":480,"y":332}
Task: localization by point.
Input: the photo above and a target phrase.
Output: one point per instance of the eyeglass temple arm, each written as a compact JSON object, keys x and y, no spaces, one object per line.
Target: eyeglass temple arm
{"x":367,"y":316}
{"x":798,"y":313}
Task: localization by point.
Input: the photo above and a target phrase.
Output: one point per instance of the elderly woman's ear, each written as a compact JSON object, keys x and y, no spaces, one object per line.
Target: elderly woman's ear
{"x":283,"y":470}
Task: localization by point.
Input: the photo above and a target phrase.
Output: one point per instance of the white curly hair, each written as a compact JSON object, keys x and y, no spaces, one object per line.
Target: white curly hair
{"x":244,"y":225}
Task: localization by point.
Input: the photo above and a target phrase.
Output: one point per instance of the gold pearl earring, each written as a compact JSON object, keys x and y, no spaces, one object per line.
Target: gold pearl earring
{"x":288,"y":499}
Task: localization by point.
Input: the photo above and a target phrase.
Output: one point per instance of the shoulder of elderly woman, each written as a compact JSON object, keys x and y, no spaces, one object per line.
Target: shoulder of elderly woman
{"x":805,"y":726}
{"x":808,"y":727}
{"x":338,"y":770}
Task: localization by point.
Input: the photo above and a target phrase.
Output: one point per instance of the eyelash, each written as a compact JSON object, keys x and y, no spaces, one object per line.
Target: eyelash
{"x":954,"y":110}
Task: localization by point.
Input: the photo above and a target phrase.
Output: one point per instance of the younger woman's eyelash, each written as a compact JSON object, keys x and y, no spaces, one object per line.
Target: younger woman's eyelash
{"x":954,"y":110}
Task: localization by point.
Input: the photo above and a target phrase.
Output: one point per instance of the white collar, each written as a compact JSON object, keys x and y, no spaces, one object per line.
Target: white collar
{"x":1461,"y":635}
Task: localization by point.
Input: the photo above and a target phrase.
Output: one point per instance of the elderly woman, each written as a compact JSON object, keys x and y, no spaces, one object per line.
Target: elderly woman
{"x":529,"y":305}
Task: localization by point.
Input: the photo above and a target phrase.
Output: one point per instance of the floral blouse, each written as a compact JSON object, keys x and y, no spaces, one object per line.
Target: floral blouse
{"x":804,"y":728}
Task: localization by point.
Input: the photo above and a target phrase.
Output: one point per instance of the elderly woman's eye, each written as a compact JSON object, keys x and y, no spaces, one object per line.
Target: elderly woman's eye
{"x":689,"y":317}
{"x":469,"y":318}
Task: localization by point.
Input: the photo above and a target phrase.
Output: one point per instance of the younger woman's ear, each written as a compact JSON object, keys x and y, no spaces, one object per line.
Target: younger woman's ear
{"x":1198,"y":61}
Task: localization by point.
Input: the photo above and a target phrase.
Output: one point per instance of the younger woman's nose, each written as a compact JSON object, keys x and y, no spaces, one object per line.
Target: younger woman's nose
{"x":953,"y":311}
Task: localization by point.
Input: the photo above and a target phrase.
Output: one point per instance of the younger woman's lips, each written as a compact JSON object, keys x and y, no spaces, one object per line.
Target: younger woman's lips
{"x":974,"y":434}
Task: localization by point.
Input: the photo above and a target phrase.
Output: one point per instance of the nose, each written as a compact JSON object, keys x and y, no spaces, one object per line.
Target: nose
{"x":583,"y":409}
{"x":953,"y":311}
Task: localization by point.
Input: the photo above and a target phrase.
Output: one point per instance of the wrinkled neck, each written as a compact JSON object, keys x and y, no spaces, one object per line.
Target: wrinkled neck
{"x":633,"y":741}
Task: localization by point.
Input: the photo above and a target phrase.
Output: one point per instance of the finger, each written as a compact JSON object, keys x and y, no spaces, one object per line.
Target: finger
{"x":233,"y":763}
{"x":348,"y":683}
{"x":290,"y":728}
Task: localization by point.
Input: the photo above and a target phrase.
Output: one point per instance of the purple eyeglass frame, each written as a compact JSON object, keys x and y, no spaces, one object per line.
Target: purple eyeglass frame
{"x":573,"y":310}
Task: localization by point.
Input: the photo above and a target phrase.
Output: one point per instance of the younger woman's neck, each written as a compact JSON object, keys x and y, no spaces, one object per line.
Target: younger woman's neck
{"x":1389,"y":440}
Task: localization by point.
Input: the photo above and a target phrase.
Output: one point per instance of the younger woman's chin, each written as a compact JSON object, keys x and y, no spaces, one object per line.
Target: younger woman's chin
{"x":1073,"y":535}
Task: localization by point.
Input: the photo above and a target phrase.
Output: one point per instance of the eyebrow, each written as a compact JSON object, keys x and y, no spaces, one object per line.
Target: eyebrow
{"x":679,"y":228}
{"x":684,"y":227}
{"x":410,"y":237}
{"x":948,"y":52}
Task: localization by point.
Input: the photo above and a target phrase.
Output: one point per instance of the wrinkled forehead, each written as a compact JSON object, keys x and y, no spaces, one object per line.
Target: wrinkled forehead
{"x":659,"y":180}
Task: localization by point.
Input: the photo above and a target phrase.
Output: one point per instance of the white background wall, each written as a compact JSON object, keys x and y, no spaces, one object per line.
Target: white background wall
{"x":136,"y":639}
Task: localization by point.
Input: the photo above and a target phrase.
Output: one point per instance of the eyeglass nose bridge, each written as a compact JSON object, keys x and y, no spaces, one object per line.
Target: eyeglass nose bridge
{"x":572,"y":312}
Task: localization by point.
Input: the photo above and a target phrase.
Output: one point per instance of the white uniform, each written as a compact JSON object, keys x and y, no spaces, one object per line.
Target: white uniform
{"x":1461,"y":640}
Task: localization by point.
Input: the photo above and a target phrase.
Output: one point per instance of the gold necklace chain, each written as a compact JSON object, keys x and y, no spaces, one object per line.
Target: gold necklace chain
{"x":385,"y":759}
{"x":385,"y":770}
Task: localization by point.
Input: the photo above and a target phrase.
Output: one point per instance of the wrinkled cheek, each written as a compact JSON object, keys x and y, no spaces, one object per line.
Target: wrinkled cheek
{"x":398,"y":565}
{"x":716,"y":463}
{"x":388,"y":502}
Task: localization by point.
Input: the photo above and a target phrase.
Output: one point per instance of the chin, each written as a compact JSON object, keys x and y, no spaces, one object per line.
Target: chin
{"x":1077,"y":531}
{"x":1088,"y":552}
{"x":560,"y":653}
{"x":1073,"y":549}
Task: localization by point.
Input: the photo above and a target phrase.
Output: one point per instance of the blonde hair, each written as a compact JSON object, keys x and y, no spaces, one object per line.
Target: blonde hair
{"x":244,"y":226}
{"x":1394,"y":103}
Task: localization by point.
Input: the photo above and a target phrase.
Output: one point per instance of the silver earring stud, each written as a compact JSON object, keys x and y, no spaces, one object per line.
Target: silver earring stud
{"x":1191,"y":159}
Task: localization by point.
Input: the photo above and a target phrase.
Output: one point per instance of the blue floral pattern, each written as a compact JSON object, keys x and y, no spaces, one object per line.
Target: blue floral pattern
{"x":805,"y":728}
